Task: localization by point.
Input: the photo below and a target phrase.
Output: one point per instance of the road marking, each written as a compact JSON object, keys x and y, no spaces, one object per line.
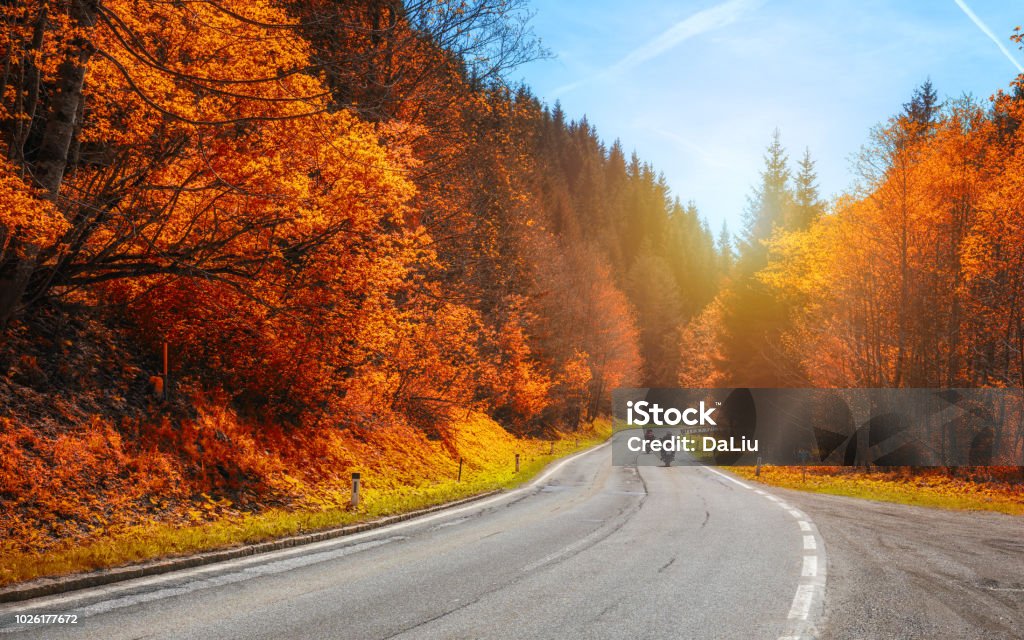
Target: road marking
{"x":810,"y":568}
{"x":802,"y":602}
{"x":810,"y":590}
{"x":269,"y":568}
{"x":240,"y":565}
{"x":729,"y":478}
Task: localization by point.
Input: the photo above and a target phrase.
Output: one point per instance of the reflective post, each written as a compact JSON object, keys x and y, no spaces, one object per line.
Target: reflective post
{"x":354,"y":503}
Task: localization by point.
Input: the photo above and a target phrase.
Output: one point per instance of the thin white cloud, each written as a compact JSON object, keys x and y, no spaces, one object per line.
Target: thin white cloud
{"x":710,"y":19}
{"x":707,"y":156}
{"x":988,"y":32}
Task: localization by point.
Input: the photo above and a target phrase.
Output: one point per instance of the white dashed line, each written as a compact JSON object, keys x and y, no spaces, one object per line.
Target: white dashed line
{"x":810,"y":567}
{"x":802,"y":602}
{"x":729,"y":478}
{"x":809,"y":599}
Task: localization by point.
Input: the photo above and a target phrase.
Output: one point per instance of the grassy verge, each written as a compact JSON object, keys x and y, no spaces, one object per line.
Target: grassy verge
{"x":927,"y":489}
{"x":152,"y":541}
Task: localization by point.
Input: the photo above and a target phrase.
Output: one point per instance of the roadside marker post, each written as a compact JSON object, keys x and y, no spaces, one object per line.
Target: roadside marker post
{"x":517,"y":463}
{"x":354,"y":503}
{"x":460,"y":470}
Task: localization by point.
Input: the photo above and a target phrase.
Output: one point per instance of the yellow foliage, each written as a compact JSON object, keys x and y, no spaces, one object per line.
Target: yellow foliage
{"x":929,"y":489}
{"x":93,"y":498}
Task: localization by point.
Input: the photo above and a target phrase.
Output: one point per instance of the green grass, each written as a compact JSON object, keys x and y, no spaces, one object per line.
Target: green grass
{"x":155,"y":541}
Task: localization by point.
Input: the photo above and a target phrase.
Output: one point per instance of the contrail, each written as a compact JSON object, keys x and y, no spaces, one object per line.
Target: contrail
{"x":709,"y":19}
{"x":988,"y":32}
{"x":706,"y":155}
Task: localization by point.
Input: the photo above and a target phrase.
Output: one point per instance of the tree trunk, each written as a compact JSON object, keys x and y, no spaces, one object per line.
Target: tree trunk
{"x":52,"y":156}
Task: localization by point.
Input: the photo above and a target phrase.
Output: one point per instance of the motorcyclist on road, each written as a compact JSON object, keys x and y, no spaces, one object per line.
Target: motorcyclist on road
{"x":648,"y":439}
{"x":667,"y":456}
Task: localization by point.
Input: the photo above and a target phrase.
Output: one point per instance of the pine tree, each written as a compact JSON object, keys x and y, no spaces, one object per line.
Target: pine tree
{"x":655,"y":293}
{"x":753,"y":319}
{"x":923,"y":106}
{"x":767,"y":206}
{"x":726,"y":252}
{"x":807,"y":205}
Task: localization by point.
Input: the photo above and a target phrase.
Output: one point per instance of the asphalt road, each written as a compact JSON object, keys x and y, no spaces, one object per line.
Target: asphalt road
{"x":595,"y":551}
{"x":911,"y":572}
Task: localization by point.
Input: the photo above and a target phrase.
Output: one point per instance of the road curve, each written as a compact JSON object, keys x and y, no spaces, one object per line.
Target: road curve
{"x":589,"y":551}
{"x":592,"y":551}
{"x":897,"y":571}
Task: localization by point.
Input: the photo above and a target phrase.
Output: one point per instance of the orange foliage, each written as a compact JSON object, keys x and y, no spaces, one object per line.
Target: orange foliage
{"x":24,"y":214}
{"x":93,"y":482}
{"x":917,"y":282}
{"x":349,"y":240}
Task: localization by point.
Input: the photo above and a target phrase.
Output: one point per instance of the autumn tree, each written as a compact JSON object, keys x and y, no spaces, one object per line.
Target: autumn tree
{"x":889,"y":286}
{"x":753,"y":350}
{"x":45,"y":50}
{"x":806,"y":206}
{"x":338,"y":213}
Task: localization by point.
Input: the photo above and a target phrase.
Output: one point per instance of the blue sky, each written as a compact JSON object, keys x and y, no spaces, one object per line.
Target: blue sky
{"x":696,"y":87}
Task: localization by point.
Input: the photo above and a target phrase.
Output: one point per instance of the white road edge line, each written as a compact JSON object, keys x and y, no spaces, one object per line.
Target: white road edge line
{"x":729,"y":478}
{"x":239,"y":563}
{"x":812,"y":573}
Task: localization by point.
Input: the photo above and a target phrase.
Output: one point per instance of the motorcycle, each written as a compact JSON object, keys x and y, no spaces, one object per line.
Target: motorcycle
{"x":667,"y":457}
